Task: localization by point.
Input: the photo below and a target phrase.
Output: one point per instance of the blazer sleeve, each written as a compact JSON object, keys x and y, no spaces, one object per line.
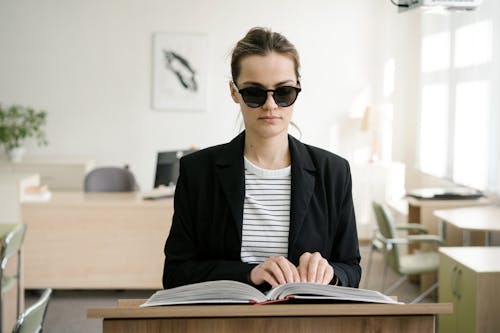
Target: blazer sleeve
{"x":184,"y":260}
{"x":345,"y":252}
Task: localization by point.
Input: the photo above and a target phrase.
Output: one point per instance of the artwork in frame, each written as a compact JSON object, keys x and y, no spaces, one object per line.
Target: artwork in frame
{"x":179,"y":71}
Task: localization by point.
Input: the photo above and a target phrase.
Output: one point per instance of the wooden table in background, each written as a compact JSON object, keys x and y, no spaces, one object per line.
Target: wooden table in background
{"x":475,"y":223}
{"x":128,"y":317}
{"x":422,"y":211}
{"x":95,"y":241}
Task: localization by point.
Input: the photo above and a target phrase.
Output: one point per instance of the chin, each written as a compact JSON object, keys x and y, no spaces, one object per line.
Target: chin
{"x":271,"y":131}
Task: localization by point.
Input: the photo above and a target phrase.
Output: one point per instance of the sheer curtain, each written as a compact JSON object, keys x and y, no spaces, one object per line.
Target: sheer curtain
{"x":459,"y":102}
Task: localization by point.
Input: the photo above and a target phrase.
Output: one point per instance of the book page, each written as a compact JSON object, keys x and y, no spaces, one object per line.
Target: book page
{"x":217,"y":292}
{"x":318,"y":291}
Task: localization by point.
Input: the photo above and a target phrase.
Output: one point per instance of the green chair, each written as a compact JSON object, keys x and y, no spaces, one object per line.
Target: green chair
{"x":33,"y":318}
{"x":404,"y":264}
{"x":12,"y":236}
{"x":401,"y":229}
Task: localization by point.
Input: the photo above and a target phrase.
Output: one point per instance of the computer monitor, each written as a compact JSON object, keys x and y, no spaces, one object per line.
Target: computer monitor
{"x":167,"y":167}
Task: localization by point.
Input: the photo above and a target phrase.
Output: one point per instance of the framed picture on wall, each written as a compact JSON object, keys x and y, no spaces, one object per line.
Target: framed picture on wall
{"x":179,"y":71}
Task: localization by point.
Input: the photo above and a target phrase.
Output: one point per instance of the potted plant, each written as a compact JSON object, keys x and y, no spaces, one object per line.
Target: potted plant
{"x":18,"y":124}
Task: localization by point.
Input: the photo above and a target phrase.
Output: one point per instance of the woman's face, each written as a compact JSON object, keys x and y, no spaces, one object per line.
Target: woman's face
{"x":268,"y":72}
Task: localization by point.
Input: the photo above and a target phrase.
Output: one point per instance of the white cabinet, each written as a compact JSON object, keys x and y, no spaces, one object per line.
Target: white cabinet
{"x":60,"y":174}
{"x":378,"y":181}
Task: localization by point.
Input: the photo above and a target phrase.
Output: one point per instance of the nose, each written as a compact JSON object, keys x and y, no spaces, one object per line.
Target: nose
{"x":270,"y":104}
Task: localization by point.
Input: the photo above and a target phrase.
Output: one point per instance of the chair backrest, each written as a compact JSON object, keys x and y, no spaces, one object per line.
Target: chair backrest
{"x":387,"y":229}
{"x":33,"y":318}
{"x":110,"y":179}
{"x":11,"y":243}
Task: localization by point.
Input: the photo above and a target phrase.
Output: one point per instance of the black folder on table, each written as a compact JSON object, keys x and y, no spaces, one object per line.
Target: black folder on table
{"x":445,"y":193}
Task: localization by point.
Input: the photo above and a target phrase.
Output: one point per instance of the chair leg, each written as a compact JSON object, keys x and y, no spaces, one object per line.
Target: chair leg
{"x":18,"y":284}
{"x":425,"y":293}
{"x":368,"y":266}
{"x":1,"y":299}
{"x":386,"y":265}
{"x":395,"y":285}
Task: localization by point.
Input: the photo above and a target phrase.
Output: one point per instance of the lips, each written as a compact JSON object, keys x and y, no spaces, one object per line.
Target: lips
{"x":269,"y":117}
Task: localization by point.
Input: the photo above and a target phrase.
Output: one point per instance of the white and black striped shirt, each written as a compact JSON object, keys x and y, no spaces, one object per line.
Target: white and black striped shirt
{"x":266,"y":213}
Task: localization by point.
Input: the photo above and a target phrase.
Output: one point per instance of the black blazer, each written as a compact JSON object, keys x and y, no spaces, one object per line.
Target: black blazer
{"x":205,"y":239}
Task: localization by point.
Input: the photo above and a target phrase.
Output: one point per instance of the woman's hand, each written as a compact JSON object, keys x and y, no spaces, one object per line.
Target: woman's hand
{"x":314,"y":268}
{"x":275,"y":271}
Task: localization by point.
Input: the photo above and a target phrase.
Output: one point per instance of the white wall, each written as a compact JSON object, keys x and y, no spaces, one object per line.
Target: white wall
{"x":400,"y":40}
{"x":88,"y":63}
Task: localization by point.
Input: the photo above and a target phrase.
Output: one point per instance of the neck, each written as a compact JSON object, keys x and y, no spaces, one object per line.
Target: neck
{"x":268,"y":153}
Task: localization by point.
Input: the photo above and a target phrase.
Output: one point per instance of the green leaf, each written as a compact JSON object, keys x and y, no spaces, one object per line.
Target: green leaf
{"x":19,"y":123}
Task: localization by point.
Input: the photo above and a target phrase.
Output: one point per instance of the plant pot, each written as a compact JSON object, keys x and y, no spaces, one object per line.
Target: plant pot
{"x":16,"y":154}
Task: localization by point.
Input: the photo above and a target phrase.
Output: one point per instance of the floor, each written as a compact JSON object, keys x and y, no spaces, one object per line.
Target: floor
{"x":67,"y":310}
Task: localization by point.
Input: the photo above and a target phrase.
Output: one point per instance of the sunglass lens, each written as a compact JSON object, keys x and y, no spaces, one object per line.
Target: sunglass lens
{"x":285,"y":96}
{"x":254,"y":96}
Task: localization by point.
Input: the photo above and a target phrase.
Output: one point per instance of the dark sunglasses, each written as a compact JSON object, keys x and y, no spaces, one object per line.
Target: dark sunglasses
{"x":255,"y":96}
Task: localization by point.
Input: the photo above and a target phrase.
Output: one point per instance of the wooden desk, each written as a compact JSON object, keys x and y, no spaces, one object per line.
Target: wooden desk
{"x":95,"y":241}
{"x":469,"y":277}
{"x":9,"y":300}
{"x":290,"y":318}
{"x":422,"y":211}
{"x":470,"y":219}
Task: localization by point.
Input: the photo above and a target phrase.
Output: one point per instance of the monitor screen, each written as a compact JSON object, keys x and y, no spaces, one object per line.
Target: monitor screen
{"x":167,"y":167}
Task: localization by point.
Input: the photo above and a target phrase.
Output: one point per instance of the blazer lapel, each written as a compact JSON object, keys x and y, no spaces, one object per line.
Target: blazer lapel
{"x":303,"y":179}
{"x":230,"y":173}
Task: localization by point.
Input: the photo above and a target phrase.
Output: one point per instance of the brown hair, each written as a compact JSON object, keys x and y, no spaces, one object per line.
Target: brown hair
{"x":262,"y":41}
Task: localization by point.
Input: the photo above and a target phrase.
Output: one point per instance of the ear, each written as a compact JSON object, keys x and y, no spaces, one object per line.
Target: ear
{"x":234,"y":93}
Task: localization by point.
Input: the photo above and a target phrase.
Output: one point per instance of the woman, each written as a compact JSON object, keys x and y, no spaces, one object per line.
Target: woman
{"x":264,"y":209}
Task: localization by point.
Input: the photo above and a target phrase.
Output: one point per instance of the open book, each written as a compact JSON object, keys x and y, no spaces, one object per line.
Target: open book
{"x":225,"y":291}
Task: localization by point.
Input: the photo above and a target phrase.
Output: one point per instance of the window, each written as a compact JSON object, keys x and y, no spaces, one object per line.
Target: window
{"x":459,"y":118}
{"x":471,"y":134}
{"x":434,"y":119}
